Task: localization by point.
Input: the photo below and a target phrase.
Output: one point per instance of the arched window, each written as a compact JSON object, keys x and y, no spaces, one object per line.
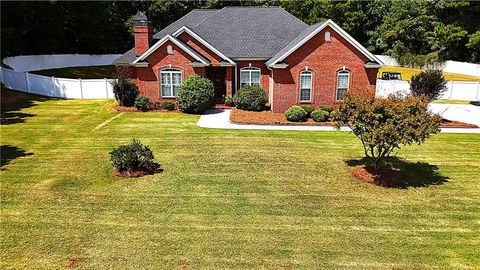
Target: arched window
{"x":170,"y":80}
{"x":306,"y":86}
{"x":249,"y":76}
{"x":343,"y":82}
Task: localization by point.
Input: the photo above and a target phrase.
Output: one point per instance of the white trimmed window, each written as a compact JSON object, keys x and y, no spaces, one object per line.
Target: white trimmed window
{"x":170,"y":80}
{"x":306,"y":86}
{"x":249,"y":76}
{"x":343,"y":81}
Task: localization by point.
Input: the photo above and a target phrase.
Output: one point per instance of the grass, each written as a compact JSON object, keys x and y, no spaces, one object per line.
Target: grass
{"x":228,"y":199}
{"x":451,"y":101}
{"x":94,"y":72}
{"x":407,"y":73}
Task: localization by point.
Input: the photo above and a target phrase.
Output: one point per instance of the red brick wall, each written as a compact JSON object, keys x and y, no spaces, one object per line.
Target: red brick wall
{"x":264,"y":78}
{"x":148,"y":78}
{"x":143,"y":38}
{"x":324,"y":59}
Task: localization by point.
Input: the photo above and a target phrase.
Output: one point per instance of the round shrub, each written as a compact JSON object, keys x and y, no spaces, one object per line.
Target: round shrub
{"x":308,"y":109}
{"x":142,"y":103}
{"x":168,"y":105}
{"x":133,"y":157}
{"x":295,"y":114}
{"x":156,"y":105}
{"x":195,"y":94}
{"x":327,"y":108}
{"x":228,"y":100}
{"x":125,"y":92}
{"x":320,"y":115}
{"x":250,"y":98}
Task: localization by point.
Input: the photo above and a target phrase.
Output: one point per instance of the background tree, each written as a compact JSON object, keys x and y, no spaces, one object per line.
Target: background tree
{"x":428,"y":83}
{"x":383,"y":125}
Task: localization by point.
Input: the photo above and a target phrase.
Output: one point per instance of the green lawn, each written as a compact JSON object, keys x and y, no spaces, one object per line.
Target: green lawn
{"x":228,"y":199}
{"x":94,"y":72}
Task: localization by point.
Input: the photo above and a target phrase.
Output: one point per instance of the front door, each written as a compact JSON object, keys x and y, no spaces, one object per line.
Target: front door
{"x":217,"y":76}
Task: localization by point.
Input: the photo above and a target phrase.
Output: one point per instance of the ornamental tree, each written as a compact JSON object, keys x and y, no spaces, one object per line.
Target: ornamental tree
{"x":428,"y":83}
{"x":383,"y":125}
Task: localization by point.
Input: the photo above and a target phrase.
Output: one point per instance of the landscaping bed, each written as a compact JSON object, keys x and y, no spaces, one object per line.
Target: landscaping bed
{"x":270,"y":118}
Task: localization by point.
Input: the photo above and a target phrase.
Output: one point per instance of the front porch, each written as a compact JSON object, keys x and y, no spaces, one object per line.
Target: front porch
{"x":222,"y":79}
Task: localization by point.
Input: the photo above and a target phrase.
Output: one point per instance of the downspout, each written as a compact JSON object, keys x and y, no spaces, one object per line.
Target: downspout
{"x":273,"y":84}
{"x":236,"y":83}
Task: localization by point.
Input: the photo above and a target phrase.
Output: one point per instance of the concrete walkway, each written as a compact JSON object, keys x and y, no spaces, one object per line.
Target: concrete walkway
{"x":221,"y":119}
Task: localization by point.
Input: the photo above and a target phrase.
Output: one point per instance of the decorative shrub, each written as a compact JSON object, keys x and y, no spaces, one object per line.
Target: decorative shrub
{"x":195,"y":94}
{"x":133,"y":157}
{"x":168,"y":105}
{"x":320,"y":115}
{"x":156,"y":105}
{"x":124,"y":89}
{"x":428,"y":83}
{"x":250,"y":98}
{"x":228,"y":100}
{"x":308,"y":109}
{"x":142,"y":103}
{"x":327,"y":108}
{"x":295,"y":114}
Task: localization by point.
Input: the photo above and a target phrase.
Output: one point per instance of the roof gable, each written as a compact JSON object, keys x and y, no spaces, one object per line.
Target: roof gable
{"x":309,"y":33}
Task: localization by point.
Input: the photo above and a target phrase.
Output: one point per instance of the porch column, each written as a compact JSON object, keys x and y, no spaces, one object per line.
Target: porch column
{"x":228,"y":80}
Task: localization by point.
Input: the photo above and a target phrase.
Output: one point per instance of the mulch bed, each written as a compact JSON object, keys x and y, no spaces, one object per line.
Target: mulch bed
{"x":384,"y":177}
{"x":270,"y":118}
{"x":119,"y":108}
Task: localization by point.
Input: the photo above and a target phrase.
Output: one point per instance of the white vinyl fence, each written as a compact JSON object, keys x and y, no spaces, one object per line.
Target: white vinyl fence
{"x":57,"y":87}
{"x":461,"y":90}
{"x":39,"y":62}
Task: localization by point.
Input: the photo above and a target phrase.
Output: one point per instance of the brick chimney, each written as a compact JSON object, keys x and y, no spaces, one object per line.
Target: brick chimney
{"x":143,"y":32}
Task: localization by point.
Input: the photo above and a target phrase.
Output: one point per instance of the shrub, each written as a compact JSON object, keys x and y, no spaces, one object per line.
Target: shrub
{"x":168,"y":105}
{"x":195,"y":94}
{"x":250,"y":98}
{"x":295,"y":114}
{"x":156,"y":105}
{"x":133,"y":157}
{"x":228,"y":100}
{"x":124,"y":89}
{"x":327,"y":108}
{"x":382,"y":125}
{"x":308,"y":109}
{"x":320,"y":115}
{"x":428,"y":83}
{"x":142,"y":103}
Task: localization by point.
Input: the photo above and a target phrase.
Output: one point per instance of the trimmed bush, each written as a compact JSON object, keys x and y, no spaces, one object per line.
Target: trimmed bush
{"x":320,"y":115}
{"x":250,"y":98}
{"x":156,"y":105}
{"x":168,"y":105}
{"x":428,"y":83}
{"x":142,"y":103}
{"x":124,"y":89}
{"x":327,"y":108}
{"x":228,"y":100}
{"x":295,"y":114}
{"x":308,"y":109}
{"x":133,"y":157}
{"x":195,"y":94}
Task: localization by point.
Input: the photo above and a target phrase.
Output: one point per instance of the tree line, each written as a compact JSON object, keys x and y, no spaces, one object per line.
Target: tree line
{"x":416,"y":32}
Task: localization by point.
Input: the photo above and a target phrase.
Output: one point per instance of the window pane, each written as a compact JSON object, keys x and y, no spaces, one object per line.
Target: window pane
{"x":342,"y":81}
{"x":244,"y":77}
{"x":166,"y":90}
{"x":175,"y":89}
{"x":305,"y":81}
{"x":255,"y":77}
{"x":340,"y":92}
{"x":305,"y":94}
{"x":177,"y":78}
{"x":164,"y":78}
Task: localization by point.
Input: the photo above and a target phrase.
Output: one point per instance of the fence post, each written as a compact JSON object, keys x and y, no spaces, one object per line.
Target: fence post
{"x":53,"y":83}
{"x":28,"y":82}
{"x":451,"y":89}
{"x":81,"y":88}
{"x":478,"y":90}
{"x":106,"y":86}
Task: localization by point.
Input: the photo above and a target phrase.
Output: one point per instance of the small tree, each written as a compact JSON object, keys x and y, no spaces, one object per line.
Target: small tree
{"x":383,"y":125}
{"x":124,"y":89}
{"x":428,"y":83}
{"x":195,"y":94}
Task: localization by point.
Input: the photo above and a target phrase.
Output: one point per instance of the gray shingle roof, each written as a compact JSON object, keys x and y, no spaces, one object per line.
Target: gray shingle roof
{"x":294,"y":41}
{"x":126,"y":58}
{"x":255,"y":32}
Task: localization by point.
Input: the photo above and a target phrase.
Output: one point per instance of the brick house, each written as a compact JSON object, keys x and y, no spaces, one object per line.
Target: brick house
{"x":293,"y":62}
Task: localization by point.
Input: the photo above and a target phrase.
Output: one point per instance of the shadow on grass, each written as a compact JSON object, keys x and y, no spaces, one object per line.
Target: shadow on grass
{"x":12,"y":102}
{"x":9,"y":153}
{"x":414,"y":174}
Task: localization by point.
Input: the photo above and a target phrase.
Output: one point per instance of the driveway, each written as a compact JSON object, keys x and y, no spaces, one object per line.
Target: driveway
{"x":221,"y":119}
